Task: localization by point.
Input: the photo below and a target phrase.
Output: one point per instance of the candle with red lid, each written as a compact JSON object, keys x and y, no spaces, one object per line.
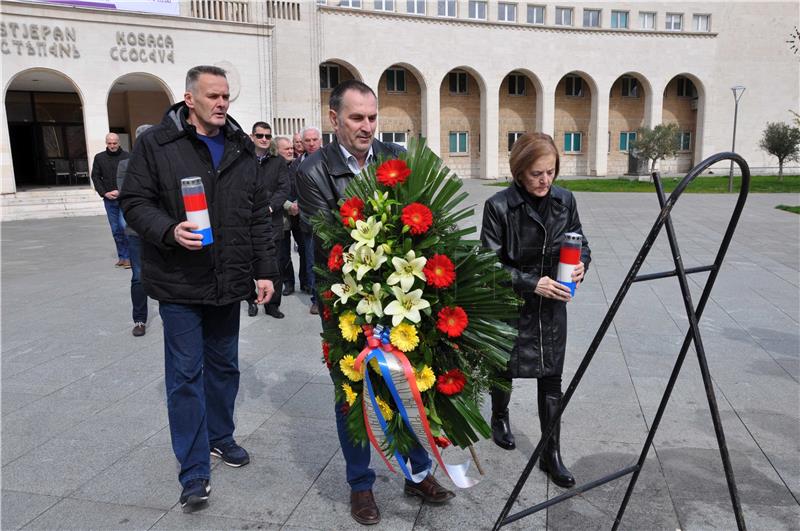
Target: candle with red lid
{"x":194,"y":200}
{"x":569,"y":258}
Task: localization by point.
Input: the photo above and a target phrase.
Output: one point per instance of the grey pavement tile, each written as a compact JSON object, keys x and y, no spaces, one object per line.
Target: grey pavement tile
{"x":287,"y":438}
{"x":19,"y":508}
{"x":47,"y":417}
{"x":697,"y":514}
{"x":11,"y":401}
{"x":200,"y":520}
{"x":313,"y":401}
{"x":60,"y":466}
{"x":82,"y":514}
{"x":147,"y":477}
{"x":14,"y":446}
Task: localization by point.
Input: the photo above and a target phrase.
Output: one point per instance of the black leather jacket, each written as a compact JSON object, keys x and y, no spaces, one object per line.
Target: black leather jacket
{"x":322,"y":178}
{"x":528,"y":246}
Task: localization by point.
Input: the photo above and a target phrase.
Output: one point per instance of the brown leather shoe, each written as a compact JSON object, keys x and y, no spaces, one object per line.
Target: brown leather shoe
{"x":363,"y":508}
{"x":429,"y":490}
{"x":314,"y":310}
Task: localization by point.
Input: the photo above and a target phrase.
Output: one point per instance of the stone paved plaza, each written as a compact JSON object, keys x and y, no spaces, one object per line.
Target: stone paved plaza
{"x":85,"y":443}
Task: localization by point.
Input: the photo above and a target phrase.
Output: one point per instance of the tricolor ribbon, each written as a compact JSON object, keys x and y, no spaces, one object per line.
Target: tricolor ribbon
{"x":398,"y":374}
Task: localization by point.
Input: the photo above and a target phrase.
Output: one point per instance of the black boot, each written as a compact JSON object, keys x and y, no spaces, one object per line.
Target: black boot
{"x":550,"y":460}
{"x":501,"y":425}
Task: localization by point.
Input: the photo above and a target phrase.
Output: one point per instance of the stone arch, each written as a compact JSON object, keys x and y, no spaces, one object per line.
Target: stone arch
{"x":575,"y":116}
{"x":461,"y":101}
{"x":685,"y":105}
{"x":328,"y":81}
{"x":133,"y":99}
{"x":519,"y":111}
{"x":627,"y":111}
{"x":401,"y":100}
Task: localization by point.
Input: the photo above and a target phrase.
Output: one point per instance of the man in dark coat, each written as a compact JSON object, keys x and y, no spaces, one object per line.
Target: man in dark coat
{"x":104,"y":177}
{"x":321,"y":181}
{"x":199,"y":287}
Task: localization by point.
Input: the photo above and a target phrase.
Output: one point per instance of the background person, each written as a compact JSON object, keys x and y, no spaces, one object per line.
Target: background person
{"x":104,"y":177}
{"x":525,"y":225}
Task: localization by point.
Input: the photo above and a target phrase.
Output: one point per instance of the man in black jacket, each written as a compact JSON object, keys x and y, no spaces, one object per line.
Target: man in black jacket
{"x":199,"y":287}
{"x":321,"y":181}
{"x":274,"y":173}
{"x":104,"y":177}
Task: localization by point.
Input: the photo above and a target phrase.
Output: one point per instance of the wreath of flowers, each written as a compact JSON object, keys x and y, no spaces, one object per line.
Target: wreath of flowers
{"x":398,"y":258}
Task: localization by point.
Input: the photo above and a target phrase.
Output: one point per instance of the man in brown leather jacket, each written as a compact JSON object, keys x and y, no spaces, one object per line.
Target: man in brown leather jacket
{"x":321,"y":181}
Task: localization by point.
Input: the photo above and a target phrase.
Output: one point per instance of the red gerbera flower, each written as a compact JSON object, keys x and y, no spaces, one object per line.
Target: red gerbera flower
{"x":452,"y":320}
{"x":418,"y":217}
{"x":327,"y":295}
{"x":335,"y":259}
{"x":451,"y":382}
{"x":439,"y":271}
{"x":326,"y":351}
{"x":393,"y":172}
{"x":326,"y":312}
{"x":442,"y":442}
{"x":352,"y":208}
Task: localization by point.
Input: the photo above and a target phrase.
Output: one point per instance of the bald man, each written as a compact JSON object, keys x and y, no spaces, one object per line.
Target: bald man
{"x":104,"y":177}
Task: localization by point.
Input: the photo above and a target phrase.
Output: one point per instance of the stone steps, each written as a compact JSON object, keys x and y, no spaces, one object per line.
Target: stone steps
{"x":50,"y":203}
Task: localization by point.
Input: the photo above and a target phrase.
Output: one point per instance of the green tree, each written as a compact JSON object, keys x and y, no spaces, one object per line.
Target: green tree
{"x":782,"y":141}
{"x":658,"y":143}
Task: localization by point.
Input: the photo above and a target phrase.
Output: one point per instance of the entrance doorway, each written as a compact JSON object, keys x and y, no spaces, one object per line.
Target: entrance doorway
{"x":136,"y":99}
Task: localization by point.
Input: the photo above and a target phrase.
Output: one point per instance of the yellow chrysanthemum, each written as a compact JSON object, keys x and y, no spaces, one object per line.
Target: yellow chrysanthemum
{"x":349,"y":394}
{"x":386,"y":411}
{"x":425,"y":378}
{"x":349,"y":328}
{"x":347,"y":364}
{"x":375,"y":366}
{"x":404,"y":336}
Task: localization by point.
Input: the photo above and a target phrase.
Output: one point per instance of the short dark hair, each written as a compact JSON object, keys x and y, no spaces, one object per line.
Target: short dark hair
{"x":527,"y":149}
{"x":337,"y":95}
{"x":262,"y":125}
{"x":194,"y":73}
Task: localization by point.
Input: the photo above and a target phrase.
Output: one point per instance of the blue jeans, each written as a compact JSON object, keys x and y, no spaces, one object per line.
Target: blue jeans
{"x":114,"y":214}
{"x":309,"y":243}
{"x":201,"y":359}
{"x":138,"y":296}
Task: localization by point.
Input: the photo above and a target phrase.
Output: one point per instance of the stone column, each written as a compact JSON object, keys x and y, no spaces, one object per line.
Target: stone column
{"x":654,"y":107}
{"x":599,"y":125}
{"x":7,"y":183}
{"x":546,"y":108}
{"x":95,"y":124}
{"x":490,"y":130}
{"x":431,"y":119}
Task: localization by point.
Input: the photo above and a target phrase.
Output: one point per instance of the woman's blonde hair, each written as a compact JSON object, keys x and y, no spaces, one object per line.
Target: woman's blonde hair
{"x":528,"y":149}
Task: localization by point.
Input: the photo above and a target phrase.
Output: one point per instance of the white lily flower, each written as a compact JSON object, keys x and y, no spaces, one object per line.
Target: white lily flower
{"x":349,"y":260}
{"x":365,"y":232}
{"x":371,"y":305}
{"x":366,"y":260}
{"x":406,"y":306}
{"x":346,"y":290}
{"x":406,"y":269}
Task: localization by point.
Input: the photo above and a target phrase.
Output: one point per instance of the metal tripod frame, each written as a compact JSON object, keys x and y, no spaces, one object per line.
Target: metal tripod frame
{"x":692,"y":336}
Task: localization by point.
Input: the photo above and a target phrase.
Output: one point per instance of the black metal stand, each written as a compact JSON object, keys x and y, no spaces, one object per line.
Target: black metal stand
{"x":692,"y":336}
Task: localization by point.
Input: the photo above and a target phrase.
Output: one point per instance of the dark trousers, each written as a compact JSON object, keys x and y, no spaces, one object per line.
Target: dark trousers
{"x":277,"y":284}
{"x":309,"y":239}
{"x":201,"y":362}
{"x":117,"y":223}
{"x":285,"y":255}
{"x":138,"y":296}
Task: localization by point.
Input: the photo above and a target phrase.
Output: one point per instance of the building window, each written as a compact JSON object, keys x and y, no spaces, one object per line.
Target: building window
{"x":564,"y":16}
{"x":701,"y":22}
{"x":415,"y":7}
{"x":396,"y":138}
{"x":574,"y":86}
{"x":630,"y":87}
{"x":513,"y":137}
{"x":535,"y":14}
{"x":477,"y":9}
{"x":395,"y":80}
{"x":572,"y":142}
{"x":647,"y":20}
{"x":685,"y":140}
{"x":328,"y":76}
{"x":327,"y":138}
{"x":459,"y":142}
{"x":619,"y":19}
{"x":686,"y":88}
{"x":625,"y":140}
{"x":384,"y":5}
{"x":447,"y":8}
{"x":591,"y":18}
{"x":458,"y":82}
{"x":674,"y":22}
{"x":506,"y":12}
{"x":349,"y":3}
{"x":516,"y":85}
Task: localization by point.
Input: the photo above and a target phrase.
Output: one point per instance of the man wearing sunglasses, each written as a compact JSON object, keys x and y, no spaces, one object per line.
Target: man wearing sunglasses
{"x":274,"y":173}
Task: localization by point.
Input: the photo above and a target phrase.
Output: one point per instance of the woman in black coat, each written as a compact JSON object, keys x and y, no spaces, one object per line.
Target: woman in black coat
{"x":525,"y":225}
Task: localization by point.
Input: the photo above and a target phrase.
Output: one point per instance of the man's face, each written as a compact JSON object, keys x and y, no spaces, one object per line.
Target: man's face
{"x":297,"y":142}
{"x":112,"y":142}
{"x":355,"y":122}
{"x":262,"y":138}
{"x":208,"y":103}
{"x":285,"y":149}
{"x":311,"y":141}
